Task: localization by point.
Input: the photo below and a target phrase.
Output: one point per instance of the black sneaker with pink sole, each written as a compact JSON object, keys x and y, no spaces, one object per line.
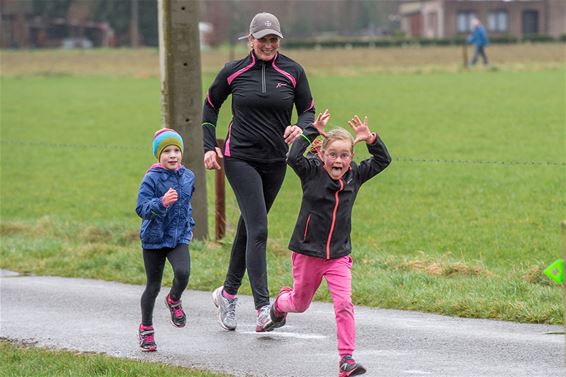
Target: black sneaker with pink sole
{"x":279,"y":318}
{"x":146,"y":339}
{"x":350,"y":367}
{"x":178,"y":317}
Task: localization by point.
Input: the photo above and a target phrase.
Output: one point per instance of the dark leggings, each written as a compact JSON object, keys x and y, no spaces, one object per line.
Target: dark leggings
{"x":154,"y":262}
{"x":255,"y":186}
{"x":479,"y":51}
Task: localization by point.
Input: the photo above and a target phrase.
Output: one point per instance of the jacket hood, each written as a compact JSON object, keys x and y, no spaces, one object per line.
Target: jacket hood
{"x":158,"y":167}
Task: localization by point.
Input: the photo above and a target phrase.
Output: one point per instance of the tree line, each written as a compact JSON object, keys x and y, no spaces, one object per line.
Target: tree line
{"x":230,"y":18}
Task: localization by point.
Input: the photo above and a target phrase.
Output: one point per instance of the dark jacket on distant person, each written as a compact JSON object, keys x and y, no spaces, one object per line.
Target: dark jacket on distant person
{"x":478,"y":36}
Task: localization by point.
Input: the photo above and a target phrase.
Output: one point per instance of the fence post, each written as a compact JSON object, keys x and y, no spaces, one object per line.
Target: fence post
{"x":220,"y":198}
{"x":465,"y":54}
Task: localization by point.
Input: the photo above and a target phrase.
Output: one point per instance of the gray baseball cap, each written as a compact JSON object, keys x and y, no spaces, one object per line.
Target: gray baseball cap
{"x":264,"y":24}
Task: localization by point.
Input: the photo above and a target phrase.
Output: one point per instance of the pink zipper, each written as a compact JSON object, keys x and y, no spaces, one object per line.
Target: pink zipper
{"x":333,"y":219}
{"x":306,"y":228}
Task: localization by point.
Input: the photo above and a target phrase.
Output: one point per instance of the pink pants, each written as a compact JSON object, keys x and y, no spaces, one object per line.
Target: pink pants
{"x":307,"y":276}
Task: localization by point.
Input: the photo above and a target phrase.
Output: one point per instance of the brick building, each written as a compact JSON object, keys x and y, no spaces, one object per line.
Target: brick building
{"x":450,"y":18}
{"x":20,"y":27}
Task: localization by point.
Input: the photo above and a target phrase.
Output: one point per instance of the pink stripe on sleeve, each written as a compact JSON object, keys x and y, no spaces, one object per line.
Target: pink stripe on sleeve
{"x":286,"y":74}
{"x":240,"y":71}
{"x":310,"y":107}
{"x":209,"y":101}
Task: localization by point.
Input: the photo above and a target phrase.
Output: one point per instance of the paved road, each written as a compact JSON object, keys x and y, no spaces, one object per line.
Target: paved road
{"x":99,"y":316}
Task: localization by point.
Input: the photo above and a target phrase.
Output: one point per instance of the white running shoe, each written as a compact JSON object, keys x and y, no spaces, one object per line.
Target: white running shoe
{"x":263,"y":323}
{"x":226,"y":309}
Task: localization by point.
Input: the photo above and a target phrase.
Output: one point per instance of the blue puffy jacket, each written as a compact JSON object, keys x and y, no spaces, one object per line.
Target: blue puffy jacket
{"x":478,"y":36}
{"x":166,"y":227}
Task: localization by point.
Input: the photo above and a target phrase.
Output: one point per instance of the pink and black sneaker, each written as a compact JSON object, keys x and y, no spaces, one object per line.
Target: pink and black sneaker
{"x":269,"y":317}
{"x":147,"y":343}
{"x":349,"y":367}
{"x":278,"y":318}
{"x":178,"y":317}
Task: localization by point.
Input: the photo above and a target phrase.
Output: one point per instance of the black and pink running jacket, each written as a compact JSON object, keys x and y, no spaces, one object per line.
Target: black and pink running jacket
{"x":325,"y":220}
{"x":263,"y":94}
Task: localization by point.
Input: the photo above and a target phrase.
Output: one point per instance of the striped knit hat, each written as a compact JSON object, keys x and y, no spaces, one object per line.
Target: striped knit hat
{"x":163,"y":138}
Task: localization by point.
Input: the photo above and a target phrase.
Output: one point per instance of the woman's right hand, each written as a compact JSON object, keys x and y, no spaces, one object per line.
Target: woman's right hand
{"x":210,"y":161}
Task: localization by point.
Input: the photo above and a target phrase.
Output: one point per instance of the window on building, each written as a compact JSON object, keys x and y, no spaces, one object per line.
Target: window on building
{"x":497,"y":21}
{"x":530,"y":22}
{"x":464,"y":21}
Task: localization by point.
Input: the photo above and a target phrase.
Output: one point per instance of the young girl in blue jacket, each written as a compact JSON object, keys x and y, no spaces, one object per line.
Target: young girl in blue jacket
{"x":164,"y":204}
{"x":321,"y":242}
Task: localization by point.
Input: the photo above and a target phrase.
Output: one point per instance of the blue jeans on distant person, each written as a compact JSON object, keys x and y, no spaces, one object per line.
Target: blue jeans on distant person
{"x":479,"y":51}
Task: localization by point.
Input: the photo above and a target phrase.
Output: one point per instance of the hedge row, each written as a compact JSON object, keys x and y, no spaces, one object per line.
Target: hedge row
{"x":400,"y":42}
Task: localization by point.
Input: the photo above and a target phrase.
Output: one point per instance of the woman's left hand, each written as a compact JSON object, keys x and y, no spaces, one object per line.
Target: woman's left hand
{"x":292,"y":133}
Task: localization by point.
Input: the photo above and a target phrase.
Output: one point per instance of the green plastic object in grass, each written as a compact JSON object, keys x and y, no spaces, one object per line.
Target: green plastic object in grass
{"x":556,"y":271}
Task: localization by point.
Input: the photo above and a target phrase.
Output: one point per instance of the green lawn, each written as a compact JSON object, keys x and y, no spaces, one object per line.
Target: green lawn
{"x":18,"y":360}
{"x":440,"y":230}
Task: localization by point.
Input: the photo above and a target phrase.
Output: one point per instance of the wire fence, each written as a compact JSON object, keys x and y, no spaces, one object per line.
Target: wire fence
{"x":395,"y":158}
{"x":67,"y":145}
{"x":485,"y":162}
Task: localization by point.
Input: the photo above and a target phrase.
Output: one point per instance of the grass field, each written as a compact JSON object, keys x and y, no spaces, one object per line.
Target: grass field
{"x":20,"y":360}
{"x":462,"y":223}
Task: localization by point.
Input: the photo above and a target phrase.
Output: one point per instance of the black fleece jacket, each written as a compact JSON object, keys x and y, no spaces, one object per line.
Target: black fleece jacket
{"x":263,"y":94}
{"x":325,"y":219}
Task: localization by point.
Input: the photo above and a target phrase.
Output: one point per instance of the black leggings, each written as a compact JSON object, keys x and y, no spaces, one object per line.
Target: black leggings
{"x":154,"y":262}
{"x":255,"y":186}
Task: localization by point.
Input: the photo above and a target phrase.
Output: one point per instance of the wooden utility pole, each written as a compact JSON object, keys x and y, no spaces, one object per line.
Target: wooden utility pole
{"x":181,"y":102}
{"x":134,"y":25}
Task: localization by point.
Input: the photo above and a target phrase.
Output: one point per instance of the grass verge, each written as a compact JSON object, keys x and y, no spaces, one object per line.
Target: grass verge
{"x":24,"y":360}
{"x":444,"y":284}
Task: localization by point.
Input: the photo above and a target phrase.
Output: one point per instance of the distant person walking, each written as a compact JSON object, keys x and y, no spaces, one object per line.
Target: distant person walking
{"x":164,"y":204}
{"x":321,"y":242}
{"x":479,"y":39}
{"x":265,"y":85}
